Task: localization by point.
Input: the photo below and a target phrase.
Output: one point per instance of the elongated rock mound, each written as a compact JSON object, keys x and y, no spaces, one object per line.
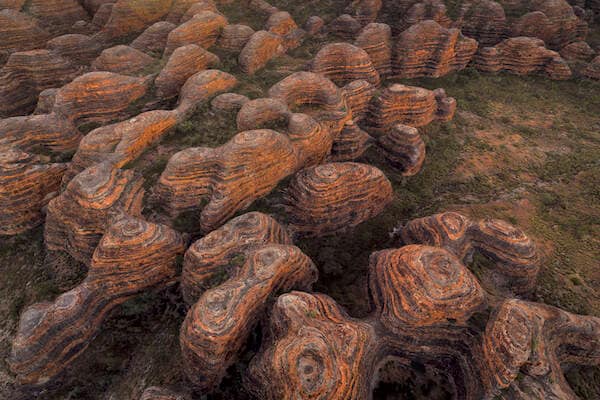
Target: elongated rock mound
{"x":201,"y":87}
{"x":202,"y":30}
{"x":332,"y":197}
{"x":344,"y":63}
{"x":409,"y":105}
{"x":133,"y":255}
{"x":221,"y":321}
{"x":522,"y":56}
{"x":78,"y":218}
{"x":259,"y":50}
{"x":122,"y":59}
{"x":222,"y":252}
{"x":428,"y":49}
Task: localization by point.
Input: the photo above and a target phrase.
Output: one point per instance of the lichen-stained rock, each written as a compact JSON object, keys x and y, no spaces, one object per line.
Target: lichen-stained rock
{"x":351,"y":143}
{"x":484,"y":21}
{"x":159,"y":393}
{"x":315,"y":95}
{"x":234,"y":37}
{"x":35,"y":132}
{"x":182,"y":64}
{"x":26,"y":74}
{"x":364,"y":11}
{"x":219,"y":324}
{"x":448,"y":230}
{"x":404,"y":148}
{"x":57,"y":15}
{"x":20,"y":32}
{"x":99,"y":97}
{"x":203,"y":30}
{"x":428,"y":49}
{"x":333,"y":197}
{"x":133,"y":256}
{"x":344,"y":26}
{"x":131,"y":16}
{"x":78,"y":218}
{"x":422,"y":286}
{"x":526,"y":343}
{"x":592,"y":70}
{"x":122,"y":59}
{"x":553,"y":21}
{"x":314,"y":351}
{"x":26,"y":185}
{"x":78,"y":49}
{"x":259,"y":50}
{"x":201,"y":87}
{"x":358,"y":95}
{"x":154,"y":39}
{"x":577,"y":52}
{"x":513,"y":251}
{"x":344,"y":63}
{"x":226,"y":179}
{"x":409,"y":105}
{"x":522,"y":56}
{"x":222,"y":252}
{"x":262,"y":113}
{"x":228,"y":102}
{"x":122,"y":142}
{"x":376,"y":40}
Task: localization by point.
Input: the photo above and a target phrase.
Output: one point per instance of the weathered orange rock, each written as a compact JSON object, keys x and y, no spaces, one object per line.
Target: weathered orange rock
{"x":259,"y":50}
{"x":57,"y":15}
{"x":577,"y":52}
{"x":262,"y":113}
{"x":35,"y":132}
{"x":344,"y":63}
{"x":154,"y":39}
{"x":592,"y":70}
{"x":20,"y":32}
{"x":196,"y":8}
{"x":122,"y":142}
{"x":262,"y":6}
{"x":428,"y":49}
{"x":422,"y":286}
{"x":344,"y":26}
{"x":201,"y":87}
{"x":228,"y":102}
{"x":234,"y":37}
{"x":376,"y":40}
{"x":78,"y":49}
{"x":314,"y":25}
{"x":484,"y":21}
{"x":281,"y":23}
{"x":133,"y":256}
{"x":221,"y":253}
{"x":514,"y":253}
{"x":101,"y":18}
{"x":314,"y":350}
{"x":526,"y":343}
{"x":202,"y":30}
{"x":351,"y":143}
{"x":409,"y":105}
{"x":226,"y":179}
{"x":332,"y":197}
{"x":358,"y":95}
{"x":78,"y":218}
{"x":365,"y":11}
{"x":13,"y":4}
{"x":434,"y":10}
{"x":219,"y":324}
{"x":182,"y":64}
{"x":99,"y":97}
{"x":131,"y":16}
{"x":26,"y":74}
{"x":26,"y":186}
{"x":122,"y":59}
{"x":404,"y":148}
{"x":522,"y":56}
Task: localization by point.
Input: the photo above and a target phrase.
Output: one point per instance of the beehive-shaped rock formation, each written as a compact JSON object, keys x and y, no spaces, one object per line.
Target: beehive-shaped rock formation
{"x":201,"y":87}
{"x":358,"y":95}
{"x":345,"y":26}
{"x":376,"y":40}
{"x":219,"y":324}
{"x":20,"y":32}
{"x":259,"y":50}
{"x":154,"y":39}
{"x":234,"y":37}
{"x":409,"y":105}
{"x":122,"y":59}
{"x":220,"y":253}
{"x":404,"y":149}
{"x":131,"y":16}
{"x":57,"y":15}
{"x":344,"y":63}
{"x":350,"y":144}
{"x":365,"y":11}
{"x":434,"y":10}
{"x":78,"y":218}
{"x":133,"y":256}
{"x":592,"y":70}
{"x":332,"y":197}
{"x":522,"y":56}
{"x":484,"y":21}
{"x":77,"y":48}
{"x":202,"y":30}
{"x":428,"y":49}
